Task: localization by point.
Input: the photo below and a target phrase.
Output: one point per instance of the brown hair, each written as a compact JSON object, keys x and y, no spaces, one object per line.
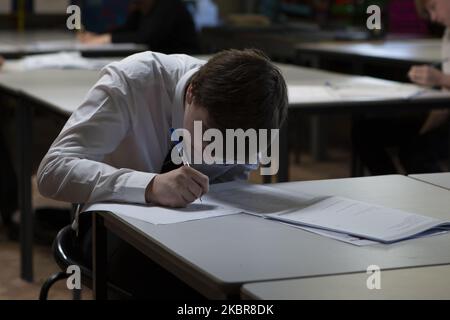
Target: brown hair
{"x":241,"y":89}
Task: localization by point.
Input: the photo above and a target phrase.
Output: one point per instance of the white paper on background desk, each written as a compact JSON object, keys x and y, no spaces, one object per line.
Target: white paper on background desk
{"x":311,"y":94}
{"x":377,"y":91}
{"x":73,"y":45}
{"x":62,"y":60}
{"x":352,"y":91}
{"x":52,"y":45}
{"x":364,"y":220}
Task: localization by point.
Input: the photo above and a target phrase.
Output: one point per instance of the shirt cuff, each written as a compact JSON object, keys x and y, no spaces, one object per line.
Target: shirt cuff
{"x":133,"y":190}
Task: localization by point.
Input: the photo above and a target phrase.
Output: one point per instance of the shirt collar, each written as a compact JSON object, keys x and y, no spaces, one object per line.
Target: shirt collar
{"x":178,"y":102}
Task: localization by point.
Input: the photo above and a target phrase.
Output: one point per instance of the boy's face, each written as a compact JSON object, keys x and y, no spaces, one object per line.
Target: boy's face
{"x":439,"y":11}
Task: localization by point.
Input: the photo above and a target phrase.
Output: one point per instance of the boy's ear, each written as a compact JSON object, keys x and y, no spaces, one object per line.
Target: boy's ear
{"x":189,"y":96}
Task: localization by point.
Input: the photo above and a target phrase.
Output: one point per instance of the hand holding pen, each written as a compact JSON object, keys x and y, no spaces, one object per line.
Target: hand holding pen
{"x":184,"y":158}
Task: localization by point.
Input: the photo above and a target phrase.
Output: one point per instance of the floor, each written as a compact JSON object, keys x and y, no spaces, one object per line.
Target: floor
{"x":12,"y":287}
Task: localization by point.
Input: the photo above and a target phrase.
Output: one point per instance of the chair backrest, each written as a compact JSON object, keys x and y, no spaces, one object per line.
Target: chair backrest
{"x":67,"y":252}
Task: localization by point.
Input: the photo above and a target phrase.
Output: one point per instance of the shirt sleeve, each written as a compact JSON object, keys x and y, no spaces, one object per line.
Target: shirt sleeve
{"x":73,"y":171}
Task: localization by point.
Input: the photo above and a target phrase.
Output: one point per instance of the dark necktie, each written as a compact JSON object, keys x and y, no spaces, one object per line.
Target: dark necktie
{"x":168,"y":164}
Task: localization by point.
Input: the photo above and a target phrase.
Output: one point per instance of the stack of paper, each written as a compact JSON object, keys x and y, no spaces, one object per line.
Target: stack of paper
{"x":339,"y":218}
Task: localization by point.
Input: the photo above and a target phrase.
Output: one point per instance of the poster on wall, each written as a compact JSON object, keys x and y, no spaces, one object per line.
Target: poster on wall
{"x":51,"y":6}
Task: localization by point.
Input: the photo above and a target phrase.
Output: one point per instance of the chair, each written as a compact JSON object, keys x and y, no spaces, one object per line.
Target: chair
{"x":66,"y":253}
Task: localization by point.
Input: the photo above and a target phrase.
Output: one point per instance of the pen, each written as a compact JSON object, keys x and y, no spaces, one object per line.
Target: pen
{"x":182,"y":154}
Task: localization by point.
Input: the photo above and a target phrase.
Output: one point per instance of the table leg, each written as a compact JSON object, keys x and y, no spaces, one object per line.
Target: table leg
{"x":24,"y":122}
{"x":318,"y":149}
{"x":99,"y":256}
{"x":318,"y":144}
{"x":448,"y":156}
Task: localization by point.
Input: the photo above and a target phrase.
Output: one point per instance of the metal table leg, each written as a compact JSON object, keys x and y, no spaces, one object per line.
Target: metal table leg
{"x":283,"y":171}
{"x":99,"y":256}
{"x":24,"y":122}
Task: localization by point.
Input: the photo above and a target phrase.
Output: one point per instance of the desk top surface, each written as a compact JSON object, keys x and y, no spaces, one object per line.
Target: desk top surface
{"x":44,"y":41}
{"x":414,"y":283}
{"x":64,"y":90}
{"x":438,"y":179}
{"x":238,"y":249}
{"x":415,"y":50}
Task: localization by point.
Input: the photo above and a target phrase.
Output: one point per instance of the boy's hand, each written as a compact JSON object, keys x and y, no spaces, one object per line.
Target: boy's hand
{"x":426,"y":76}
{"x":177,"y":188}
{"x":92,"y":38}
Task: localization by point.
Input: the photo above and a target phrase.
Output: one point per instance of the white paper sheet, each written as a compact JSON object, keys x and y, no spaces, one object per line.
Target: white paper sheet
{"x":351,"y":91}
{"x":346,"y":220}
{"x":62,"y":60}
{"x":259,"y":199}
{"x":338,"y":236}
{"x":363,"y":220}
{"x":52,"y":45}
{"x":377,"y":91}
{"x":223,"y":199}
{"x":160,"y":215}
{"x":73,"y":45}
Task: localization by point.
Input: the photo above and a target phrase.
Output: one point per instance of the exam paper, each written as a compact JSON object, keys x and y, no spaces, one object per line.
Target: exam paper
{"x":206,"y":208}
{"x":343,"y":237}
{"x":360,"y":242}
{"x":258,"y":199}
{"x":363,"y":220}
{"x":222,"y":199}
{"x":346,"y":220}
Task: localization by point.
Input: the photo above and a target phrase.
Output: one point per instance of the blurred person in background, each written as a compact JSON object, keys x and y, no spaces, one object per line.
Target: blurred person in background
{"x":421,"y":139}
{"x":163,"y":25}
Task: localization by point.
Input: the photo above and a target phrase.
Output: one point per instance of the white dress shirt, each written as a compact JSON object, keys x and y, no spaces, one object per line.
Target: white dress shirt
{"x":115,"y":143}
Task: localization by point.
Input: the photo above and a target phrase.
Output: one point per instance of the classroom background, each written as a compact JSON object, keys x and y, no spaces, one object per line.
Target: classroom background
{"x":296,"y":34}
